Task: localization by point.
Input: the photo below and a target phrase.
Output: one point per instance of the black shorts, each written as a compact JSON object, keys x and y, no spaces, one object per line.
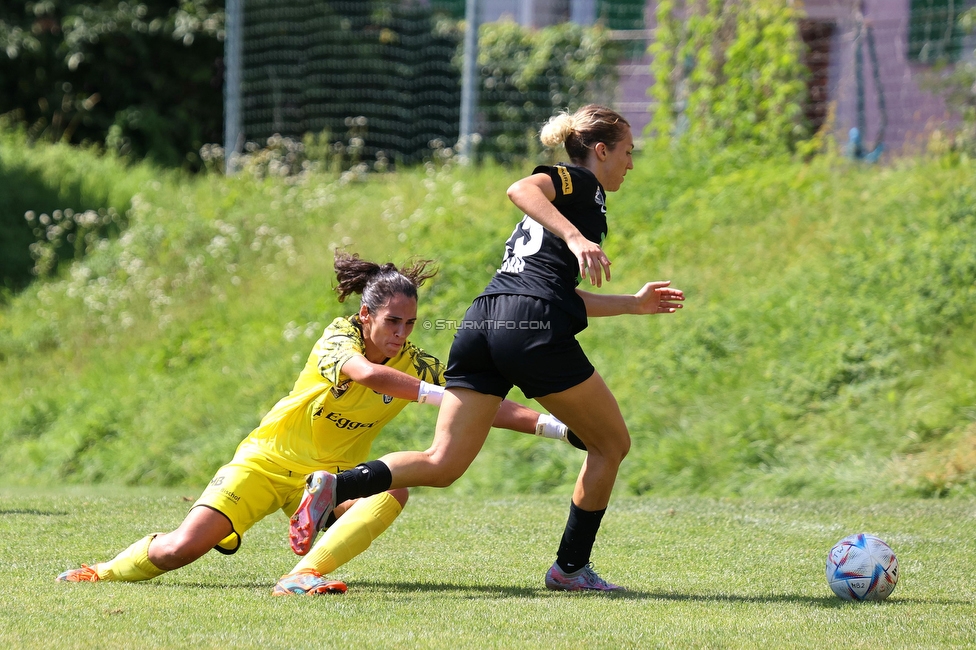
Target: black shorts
{"x":507,"y":340}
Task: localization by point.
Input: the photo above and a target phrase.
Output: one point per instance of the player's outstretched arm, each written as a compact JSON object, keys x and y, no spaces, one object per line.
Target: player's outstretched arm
{"x":653,"y":298}
{"x":512,"y":415}
{"x":516,"y":417}
{"x":382,"y":379}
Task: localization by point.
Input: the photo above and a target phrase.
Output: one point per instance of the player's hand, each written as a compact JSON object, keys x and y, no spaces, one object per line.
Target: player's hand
{"x":659,"y":298}
{"x":593,"y":262}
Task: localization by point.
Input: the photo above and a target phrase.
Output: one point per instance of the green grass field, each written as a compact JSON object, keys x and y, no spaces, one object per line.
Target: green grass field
{"x":819,"y":379}
{"x":466,"y":572}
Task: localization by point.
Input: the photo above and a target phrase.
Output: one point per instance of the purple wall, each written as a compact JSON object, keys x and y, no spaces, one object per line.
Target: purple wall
{"x":912,"y":112}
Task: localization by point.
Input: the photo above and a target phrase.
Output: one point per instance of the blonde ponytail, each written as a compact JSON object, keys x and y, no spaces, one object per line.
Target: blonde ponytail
{"x":581,"y":130}
{"x":557,"y":130}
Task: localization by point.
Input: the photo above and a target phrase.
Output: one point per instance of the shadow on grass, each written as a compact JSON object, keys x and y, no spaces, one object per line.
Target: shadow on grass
{"x":265,"y":584}
{"x":499,"y":591}
{"x":31,"y":511}
{"x":829,"y":602}
{"x":505,"y":592}
{"x":399,"y":587}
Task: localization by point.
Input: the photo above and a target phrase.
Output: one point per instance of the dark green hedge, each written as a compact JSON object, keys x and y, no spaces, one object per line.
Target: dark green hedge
{"x":144,"y":79}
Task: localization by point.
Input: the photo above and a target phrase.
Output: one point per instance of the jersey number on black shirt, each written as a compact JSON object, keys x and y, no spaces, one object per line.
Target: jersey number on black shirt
{"x":525,"y":241}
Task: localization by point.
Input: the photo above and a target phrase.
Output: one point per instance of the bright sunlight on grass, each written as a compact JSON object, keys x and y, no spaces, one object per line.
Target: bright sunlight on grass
{"x":820,"y":377}
{"x":466,"y":572}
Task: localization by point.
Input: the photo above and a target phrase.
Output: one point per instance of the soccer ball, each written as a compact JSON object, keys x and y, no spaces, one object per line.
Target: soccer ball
{"x":862,"y":567}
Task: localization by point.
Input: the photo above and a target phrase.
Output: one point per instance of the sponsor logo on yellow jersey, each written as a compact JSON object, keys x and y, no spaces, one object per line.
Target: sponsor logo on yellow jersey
{"x":230,"y":495}
{"x":346,"y":423}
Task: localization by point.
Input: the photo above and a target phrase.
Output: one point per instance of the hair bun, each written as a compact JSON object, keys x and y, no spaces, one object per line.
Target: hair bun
{"x":556,"y":130}
{"x":581,"y":130}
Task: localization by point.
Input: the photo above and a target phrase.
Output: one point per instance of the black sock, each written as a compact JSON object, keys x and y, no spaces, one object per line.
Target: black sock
{"x":577,"y":542}
{"x":363,"y":480}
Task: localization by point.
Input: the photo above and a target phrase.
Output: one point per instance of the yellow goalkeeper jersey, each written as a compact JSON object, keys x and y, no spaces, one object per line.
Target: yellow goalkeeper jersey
{"x":327,"y":420}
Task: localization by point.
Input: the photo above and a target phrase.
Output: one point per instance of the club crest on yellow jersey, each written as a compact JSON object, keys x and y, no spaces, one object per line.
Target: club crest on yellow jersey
{"x":340,"y":389}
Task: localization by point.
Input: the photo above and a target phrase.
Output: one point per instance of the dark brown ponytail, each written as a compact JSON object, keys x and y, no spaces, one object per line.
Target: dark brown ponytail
{"x":377,"y":283}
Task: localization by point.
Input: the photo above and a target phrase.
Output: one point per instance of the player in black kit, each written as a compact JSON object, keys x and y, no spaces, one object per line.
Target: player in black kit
{"x":521,"y":332}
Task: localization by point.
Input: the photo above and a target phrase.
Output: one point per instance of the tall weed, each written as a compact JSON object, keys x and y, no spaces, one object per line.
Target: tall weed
{"x":822,"y":348}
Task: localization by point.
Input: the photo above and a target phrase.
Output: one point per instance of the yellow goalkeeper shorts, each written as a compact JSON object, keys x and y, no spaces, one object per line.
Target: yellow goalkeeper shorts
{"x":248,"y":489}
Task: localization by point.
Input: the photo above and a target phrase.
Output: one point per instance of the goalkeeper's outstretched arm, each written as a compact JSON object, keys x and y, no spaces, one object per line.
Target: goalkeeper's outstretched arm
{"x":514,"y":416}
{"x":511,"y":415}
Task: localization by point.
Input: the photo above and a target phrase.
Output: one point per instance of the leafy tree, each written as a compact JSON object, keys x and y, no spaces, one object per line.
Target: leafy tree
{"x":142,"y":78}
{"x":526,"y":75}
{"x":730,"y":72}
{"x":958,"y":85}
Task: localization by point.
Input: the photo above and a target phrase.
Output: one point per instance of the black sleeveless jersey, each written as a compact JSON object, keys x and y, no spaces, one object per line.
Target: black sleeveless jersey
{"x":537,"y":262}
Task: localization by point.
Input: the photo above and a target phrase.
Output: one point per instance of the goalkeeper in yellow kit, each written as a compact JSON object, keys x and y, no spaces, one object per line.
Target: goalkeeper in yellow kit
{"x":359,"y":376}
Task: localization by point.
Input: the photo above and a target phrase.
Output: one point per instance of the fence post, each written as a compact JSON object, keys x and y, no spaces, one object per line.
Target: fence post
{"x":469,"y":80}
{"x":233,"y":40}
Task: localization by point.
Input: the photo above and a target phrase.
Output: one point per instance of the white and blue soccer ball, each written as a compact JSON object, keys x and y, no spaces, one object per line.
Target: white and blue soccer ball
{"x":862,"y":567}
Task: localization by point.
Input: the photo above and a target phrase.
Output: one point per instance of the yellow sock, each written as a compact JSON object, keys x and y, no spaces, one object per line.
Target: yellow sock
{"x":352,"y":533}
{"x":131,"y":565}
